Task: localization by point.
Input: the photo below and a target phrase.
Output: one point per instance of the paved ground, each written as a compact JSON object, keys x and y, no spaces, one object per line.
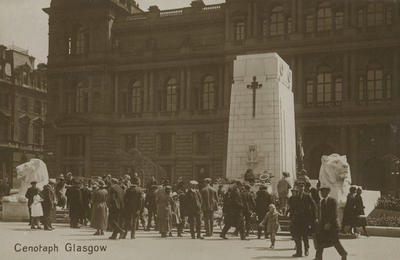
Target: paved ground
{"x":149,"y":246}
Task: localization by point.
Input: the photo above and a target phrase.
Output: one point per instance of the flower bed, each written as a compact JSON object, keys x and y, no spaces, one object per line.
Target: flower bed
{"x":388,"y":203}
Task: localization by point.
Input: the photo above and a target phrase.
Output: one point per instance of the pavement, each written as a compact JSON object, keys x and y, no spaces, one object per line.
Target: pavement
{"x":81,"y":244}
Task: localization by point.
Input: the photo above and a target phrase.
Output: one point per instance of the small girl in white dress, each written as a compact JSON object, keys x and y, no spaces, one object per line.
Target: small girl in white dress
{"x":36,"y":210}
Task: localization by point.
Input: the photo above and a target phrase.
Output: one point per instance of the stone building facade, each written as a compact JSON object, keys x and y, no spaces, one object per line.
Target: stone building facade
{"x":23,"y":106}
{"x":158,"y":83}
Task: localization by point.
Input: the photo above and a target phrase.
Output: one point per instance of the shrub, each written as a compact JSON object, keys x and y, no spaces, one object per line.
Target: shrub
{"x":384,"y":221}
{"x":388,"y":203}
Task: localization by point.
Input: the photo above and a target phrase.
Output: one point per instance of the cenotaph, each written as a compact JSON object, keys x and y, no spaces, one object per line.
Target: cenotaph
{"x":261,"y":122}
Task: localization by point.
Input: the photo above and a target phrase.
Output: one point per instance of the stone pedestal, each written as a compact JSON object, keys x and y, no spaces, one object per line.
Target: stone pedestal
{"x":262,"y":139}
{"x":15,"y":211}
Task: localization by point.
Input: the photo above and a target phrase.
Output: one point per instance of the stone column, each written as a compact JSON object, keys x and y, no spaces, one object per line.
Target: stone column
{"x":227,"y":24}
{"x":220,"y":86}
{"x":188,"y":89}
{"x":395,"y":75}
{"x":249,"y":32}
{"x":353,"y":86}
{"x":343,"y":140}
{"x":353,"y":160}
{"x":346,"y":77}
{"x":182,"y":91}
{"x":145,"y":91}
{"x":255,"y":20}
{"x":116,"y":93}
{"x":299,"y":80}
{"x":151,"y":91}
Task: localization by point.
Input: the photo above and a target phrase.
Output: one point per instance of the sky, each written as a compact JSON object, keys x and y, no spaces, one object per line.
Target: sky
{"x":24,"y":24}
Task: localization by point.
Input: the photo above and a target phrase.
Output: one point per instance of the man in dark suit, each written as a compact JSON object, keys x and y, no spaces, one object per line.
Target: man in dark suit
{"x":30,"y":193}
{"x":263,"y":200}
{"x":328,"y":227}
{"x":133,"y":201}
{"x":48,"y":203}
{"x":208,"y":206}
{"x":303,"y":215}
{"x":74,"y":198}
{"x":233,"y":211}
{"x":248,"y":207}
{"x":116,"y":207}
{"x":193,"y":204}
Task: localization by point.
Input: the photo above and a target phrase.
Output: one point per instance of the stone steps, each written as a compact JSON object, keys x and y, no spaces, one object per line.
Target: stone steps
{"x":62,"y":216}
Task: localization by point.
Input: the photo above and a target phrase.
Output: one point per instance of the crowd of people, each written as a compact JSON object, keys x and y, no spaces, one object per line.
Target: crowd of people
{"x":123,"y":205}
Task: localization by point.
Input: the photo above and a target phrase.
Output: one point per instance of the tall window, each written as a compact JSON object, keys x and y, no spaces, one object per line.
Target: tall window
{"x":277,"y":22}
{"x":208,"y":93}
{"x":131,"y":141}
{"x":4,"y":128}
{"x":309,"y":23}
{"x":202,"y":143}
{"x":24,"y":129}
{"x":374,"y":84}
{"x":339,"y":20}
{"x":338,"y":90}
{"x":73,"y":145}
{"x":172,"y":97}
{"x":81,"y":40}
{"x":324,"y":87}
{"x":240,"y":31}
{"x":82,"y":98}
{"x":136,"y":97}
{"x":374,"y":14}
{"x":289,"y":25}
{"x":38,"y":107}
{"x":388,"y":86}
{"x":265,"y":28}
{"x":324,"y":19}
{"x":309,"y":92}
{"x":37,"y":132}
{"x":166,"y":143}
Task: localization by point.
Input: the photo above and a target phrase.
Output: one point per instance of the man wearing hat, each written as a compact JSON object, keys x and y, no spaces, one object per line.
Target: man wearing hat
{"x":263,"y":200}
{"x":328,"y":227}
{"x":248,"y":207}
{"x":48,"y":203}
{"x":116,"y":207}
{"x":30,"y":193}
{"x":193,"y":206}
{"x":303,"y":215}
{"x":74,"y":197}
{"x":283,"y":191}
{"x":209,"y":204}
{"x":133,"y":201}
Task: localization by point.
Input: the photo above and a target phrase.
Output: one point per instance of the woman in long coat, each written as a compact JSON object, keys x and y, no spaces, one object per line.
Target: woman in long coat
{"x":361,"y":218}
{"x":349,"y":212}
{"x":164,"y":210}
{"x":99,"y":209}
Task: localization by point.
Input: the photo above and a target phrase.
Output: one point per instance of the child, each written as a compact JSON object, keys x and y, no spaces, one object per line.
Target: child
{"x":37,"y":210}
{"x":271,"y":220}
{"x":176,"y":214}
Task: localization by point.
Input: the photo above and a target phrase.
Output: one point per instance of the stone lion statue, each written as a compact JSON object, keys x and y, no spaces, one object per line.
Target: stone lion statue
{"x":34,"y":170}
{"x":335,"y":173}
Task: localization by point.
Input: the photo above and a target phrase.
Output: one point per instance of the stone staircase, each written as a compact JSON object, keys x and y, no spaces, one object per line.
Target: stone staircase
{"x":62,"y":216}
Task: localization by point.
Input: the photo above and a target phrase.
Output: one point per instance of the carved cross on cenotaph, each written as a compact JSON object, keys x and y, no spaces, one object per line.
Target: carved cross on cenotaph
{"x":254,"y":86}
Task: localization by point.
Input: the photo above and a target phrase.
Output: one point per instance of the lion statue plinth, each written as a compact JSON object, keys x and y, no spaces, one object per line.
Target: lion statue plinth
{"x":335,"y":173}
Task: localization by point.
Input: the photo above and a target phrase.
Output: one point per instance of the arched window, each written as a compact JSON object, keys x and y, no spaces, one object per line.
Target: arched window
{"x":324,"y":18}
{"x":375,"y":14}
{"x":81,"y":40}
{"x":277,"y":22}
{"x":208,"y":93}
{"x":82,"y":98}
{"x":38,"y":131}
{"x":324,"y":86}
{"x":136,"y":94}
{"x":172,"y":97}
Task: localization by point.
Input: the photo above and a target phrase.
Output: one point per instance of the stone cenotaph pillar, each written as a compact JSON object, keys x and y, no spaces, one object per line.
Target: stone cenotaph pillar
{"x":261,"y":122}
